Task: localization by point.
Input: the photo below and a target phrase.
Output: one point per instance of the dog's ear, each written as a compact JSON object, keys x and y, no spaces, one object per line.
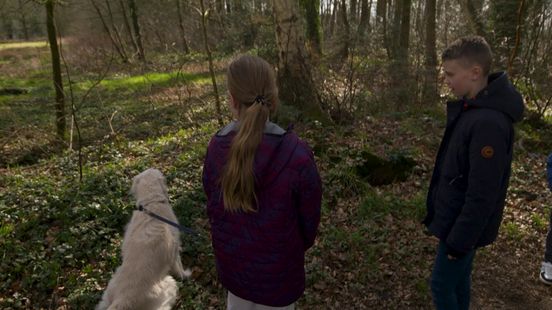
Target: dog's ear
{"x":163,"y":183}
{"x":134,"y":186}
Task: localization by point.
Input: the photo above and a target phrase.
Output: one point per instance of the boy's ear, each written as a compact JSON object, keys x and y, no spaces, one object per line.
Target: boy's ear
{"x":476,"y":72}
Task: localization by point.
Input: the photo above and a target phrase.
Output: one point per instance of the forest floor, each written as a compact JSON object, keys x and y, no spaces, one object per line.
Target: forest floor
{"x":60,"y":237}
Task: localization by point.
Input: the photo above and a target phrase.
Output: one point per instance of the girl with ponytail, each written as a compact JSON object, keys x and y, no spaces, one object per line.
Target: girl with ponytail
{"x":263,"y":195}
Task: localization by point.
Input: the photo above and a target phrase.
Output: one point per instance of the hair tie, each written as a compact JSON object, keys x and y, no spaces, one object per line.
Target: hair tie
{"x":260,"y":99}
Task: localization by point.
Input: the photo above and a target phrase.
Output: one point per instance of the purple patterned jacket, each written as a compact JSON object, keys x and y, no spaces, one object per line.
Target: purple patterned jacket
{"x":260,"y":256}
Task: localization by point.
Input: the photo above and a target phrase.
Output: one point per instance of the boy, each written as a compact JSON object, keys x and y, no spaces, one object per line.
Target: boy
{"x":546,"y":267}
{"x":468,"y":187}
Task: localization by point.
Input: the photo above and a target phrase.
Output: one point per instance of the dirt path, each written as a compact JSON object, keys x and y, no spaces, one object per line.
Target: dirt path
{"x":507,"y":278}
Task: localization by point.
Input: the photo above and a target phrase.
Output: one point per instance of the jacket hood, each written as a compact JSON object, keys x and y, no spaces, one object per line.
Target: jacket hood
{"x":500,"y":95}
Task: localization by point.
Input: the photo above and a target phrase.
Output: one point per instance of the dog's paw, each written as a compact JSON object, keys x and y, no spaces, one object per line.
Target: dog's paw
{"x":187,"y":273}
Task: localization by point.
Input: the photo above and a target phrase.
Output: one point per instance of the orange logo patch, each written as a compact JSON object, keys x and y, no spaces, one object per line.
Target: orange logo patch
{"x":487,"y":151}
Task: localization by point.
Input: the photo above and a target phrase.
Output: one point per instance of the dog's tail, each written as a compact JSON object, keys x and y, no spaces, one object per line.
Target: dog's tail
{"x":167,"y":290}
{"x":178,"y":270}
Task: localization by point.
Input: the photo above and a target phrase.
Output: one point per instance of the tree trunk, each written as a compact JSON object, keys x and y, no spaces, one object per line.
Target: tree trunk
{"x":127,"y":26}
{"x":23,"y":20}
{"x":353,"y":12}
{"x":56,"y":69}
{"x":136,"y":26}
{"x":364,"y":25}
{"x":396,"y":30}
{"x":238,"y":6}
{"x":220,"y":13}
{"x":517,"y":43}
{"x":228,"y":7}
{"x":430,"y":92}
{"x":439,"y":9}
{"x":312,"y":18}
{"x":115,"y":30}
{"x":502,"y":17}
{"x":535,"y":31}
{"x":381,"y":10}
{"x":108,"y":32}
{"x":418,"y":27}
{"x":400,"y":65}
{"x":333,"y":18}
{"x":472,"y":11}
{"x":346,"y":31}
{"x":381,"y":23}
{"x":210,"y":58}
{"x":185,"y":47}
{"x":294,"y":76}
{"x":404,"y":38}
{"x":220,"y":6}
{"x":8,"y":26}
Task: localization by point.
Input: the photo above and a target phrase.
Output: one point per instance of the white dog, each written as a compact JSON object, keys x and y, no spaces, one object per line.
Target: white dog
{"x":150,"y":252}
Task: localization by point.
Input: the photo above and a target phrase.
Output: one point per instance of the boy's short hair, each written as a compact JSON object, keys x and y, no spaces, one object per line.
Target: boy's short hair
{"x":474,"y":49}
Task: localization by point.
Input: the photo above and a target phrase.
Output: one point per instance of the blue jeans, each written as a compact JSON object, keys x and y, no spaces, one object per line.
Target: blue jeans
{"x":450,"y":280}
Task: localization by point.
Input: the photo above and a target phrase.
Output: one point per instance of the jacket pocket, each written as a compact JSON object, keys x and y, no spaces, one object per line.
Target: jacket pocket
{"x":458,"y":183}
{"x":456,"y":178}
{"x":450,"y":197}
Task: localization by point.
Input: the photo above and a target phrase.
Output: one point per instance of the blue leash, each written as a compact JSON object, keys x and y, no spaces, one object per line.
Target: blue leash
{"x":167,"y":221}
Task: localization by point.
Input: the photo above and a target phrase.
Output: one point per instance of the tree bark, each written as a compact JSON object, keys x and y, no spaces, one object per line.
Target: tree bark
{"x":382,"y":25}
{"x":228,"y":7}
{"x":381,"y":10}
{"x":333,"y":17}
{"x":220,"y":6}
{"x":514,"y":52}
{"x":404,"y":38}
{"x":185,"y":47}
{"x":210,"y":58}
{"x":23,"y":20}
{"x":473,"y":15}
{"x":136,"y":25}
{"x":56,"y":69}
{"x":115,"y":30}
{"x":294,"y":76}
{"x":312,"y":18}
{"x":108,"y":32}
{"x":7,"y":23}
{"x":430,"y":91}
{"x":127,"y":26}
{"x":364,"y":25}
{"x":400,"y":65}
{"x":346,"y":31}
{"x":396,"y":30}
{"x":353,"y":11}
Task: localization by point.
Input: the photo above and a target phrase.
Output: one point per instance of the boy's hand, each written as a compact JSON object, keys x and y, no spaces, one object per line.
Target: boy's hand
{"x":452,"y":254}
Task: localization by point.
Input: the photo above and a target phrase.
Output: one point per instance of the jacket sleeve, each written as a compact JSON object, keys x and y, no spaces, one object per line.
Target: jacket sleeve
{"x":207,"y":171}
{"x":487,"y":148}
{"x":549,"y":171}
{"x":310,"y":199}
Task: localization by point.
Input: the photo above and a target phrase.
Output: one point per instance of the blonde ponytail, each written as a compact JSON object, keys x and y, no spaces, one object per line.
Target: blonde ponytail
{"x":238,"y":181}
{"x":252,"y":83}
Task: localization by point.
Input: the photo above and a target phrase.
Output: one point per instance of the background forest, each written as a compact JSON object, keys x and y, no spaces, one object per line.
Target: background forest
{"x":94,"y":91}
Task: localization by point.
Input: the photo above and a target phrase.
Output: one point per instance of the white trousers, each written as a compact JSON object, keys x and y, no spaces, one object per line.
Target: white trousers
{"x":234,"y":302}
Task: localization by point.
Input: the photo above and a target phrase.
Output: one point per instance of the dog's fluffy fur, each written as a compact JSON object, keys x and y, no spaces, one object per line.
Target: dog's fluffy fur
{"x":150,"y":252}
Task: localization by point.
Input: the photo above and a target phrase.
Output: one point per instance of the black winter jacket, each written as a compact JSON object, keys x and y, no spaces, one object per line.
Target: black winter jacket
{"x":467,"y":192}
